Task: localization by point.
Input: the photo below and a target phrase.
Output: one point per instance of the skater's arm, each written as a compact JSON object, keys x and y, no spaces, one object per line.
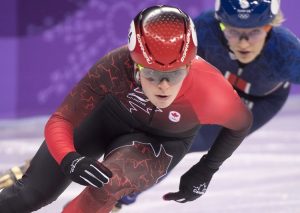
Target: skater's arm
{"x":80,"y":102}
{"x":223,"y":107}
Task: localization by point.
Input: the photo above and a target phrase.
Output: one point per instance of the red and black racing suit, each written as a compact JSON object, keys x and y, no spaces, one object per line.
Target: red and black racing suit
{"x":107,"y":110}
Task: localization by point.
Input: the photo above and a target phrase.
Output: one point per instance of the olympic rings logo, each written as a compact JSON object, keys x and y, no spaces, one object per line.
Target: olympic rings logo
{"x":243,"y":15}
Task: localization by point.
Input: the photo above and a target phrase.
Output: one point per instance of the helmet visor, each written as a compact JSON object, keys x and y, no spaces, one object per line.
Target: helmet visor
{"x":254,"y":35}
{"x":154,"y":76}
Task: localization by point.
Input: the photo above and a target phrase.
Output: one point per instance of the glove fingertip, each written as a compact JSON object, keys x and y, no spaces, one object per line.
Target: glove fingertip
{"x":167,"y":196}
{"x":110,"y":174}
{"x":107,"y":171}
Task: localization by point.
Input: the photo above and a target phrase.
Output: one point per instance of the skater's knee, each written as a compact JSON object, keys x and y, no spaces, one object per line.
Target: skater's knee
{"x":34,"y":200}
{"x":22,"y":199}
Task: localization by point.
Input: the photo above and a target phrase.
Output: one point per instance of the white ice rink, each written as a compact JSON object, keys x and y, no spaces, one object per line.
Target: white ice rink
{"x":263,"y":175}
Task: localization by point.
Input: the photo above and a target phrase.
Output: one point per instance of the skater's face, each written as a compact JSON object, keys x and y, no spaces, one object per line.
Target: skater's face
{"x":161,"y":88}
{"x":245,"y":43}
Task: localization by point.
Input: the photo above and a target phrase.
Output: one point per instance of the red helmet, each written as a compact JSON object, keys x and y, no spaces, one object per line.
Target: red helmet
{"x":162,"y":38}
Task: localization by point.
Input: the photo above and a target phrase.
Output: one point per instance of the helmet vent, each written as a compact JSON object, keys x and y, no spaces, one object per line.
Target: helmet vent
{"x":164,"y":38}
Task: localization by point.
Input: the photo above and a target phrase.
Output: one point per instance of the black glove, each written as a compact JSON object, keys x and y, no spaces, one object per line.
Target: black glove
{"x":85,"y":171}
{"x":193,"y":183}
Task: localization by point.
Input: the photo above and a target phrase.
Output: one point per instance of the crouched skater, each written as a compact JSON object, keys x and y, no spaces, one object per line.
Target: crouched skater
{"x":140,"y":107}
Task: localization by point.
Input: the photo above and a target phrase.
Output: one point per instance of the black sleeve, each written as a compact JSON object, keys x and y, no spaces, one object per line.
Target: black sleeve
{"x":226,"y":143}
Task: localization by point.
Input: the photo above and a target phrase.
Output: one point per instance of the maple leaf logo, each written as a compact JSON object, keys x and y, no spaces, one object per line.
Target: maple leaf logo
{"x":174,"y":116}
{"x":140,"y":162}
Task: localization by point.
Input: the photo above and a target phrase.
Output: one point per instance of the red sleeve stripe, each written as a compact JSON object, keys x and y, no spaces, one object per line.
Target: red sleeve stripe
{"x":59,"y":137}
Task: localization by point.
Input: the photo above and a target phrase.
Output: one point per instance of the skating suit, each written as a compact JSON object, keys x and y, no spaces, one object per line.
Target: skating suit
{"x":108,"y":114}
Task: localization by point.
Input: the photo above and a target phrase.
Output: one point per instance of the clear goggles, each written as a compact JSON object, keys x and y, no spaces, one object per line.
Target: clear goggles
{"x":252,"y":35}
{"x":172,"y":77}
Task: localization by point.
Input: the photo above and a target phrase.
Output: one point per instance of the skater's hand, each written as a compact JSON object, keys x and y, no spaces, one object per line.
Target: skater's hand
{"x":84,"y":170}
{"x":193,"y":183}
